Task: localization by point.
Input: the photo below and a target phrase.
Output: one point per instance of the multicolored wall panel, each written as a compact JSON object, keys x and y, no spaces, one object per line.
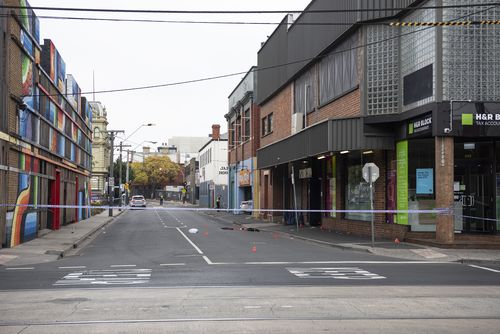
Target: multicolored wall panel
{"x":22,"y":220}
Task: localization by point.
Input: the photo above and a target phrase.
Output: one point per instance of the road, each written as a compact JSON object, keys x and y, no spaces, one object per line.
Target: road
{"x":147,"y":271}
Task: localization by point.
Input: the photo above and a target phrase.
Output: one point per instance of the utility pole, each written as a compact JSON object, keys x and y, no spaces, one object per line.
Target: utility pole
{"x":112,"y":135}
{"x":127,"y":178}
{"x":120,"y":173}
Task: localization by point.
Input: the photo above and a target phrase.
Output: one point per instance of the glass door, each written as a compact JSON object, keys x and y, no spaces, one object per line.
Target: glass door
{"x":475,"y":186}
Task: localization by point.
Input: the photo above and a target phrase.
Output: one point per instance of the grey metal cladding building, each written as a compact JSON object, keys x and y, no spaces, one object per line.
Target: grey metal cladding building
{"x":289,"y":43}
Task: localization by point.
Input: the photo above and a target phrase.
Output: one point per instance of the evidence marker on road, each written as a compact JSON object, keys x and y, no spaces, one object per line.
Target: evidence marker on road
{"x":344,"y":273}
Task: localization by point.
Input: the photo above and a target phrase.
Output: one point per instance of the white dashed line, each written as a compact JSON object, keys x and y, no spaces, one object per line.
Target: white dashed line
{"x":25,"y":268}
{"x":252,"y":307}
{"x":172,"y":264}
{"x":123,"y":265}
{"x":73,"y":267}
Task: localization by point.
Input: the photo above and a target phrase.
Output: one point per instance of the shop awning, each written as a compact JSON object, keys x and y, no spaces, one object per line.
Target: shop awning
{"x":329,"y":136}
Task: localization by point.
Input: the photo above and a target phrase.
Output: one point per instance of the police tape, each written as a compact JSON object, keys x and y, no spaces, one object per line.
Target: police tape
{"x":197,"y":209}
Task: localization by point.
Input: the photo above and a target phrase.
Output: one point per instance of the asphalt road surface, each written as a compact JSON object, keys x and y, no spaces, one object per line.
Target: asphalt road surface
{"x":147,"y":272}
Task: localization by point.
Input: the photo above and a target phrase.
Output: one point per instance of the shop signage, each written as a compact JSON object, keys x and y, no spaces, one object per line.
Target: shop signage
{"x":244,"y":178}
{"x":224,"y":170}
{"x":402,"y":182}
{"x":425,"y":181}
{"x":481,"y":119}
{"x":420,"y":125}
{"x":305,"y":173}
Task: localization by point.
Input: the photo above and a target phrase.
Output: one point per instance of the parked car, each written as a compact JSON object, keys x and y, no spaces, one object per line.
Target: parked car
{"x":138,"y":200}
{"x":246,"y":206}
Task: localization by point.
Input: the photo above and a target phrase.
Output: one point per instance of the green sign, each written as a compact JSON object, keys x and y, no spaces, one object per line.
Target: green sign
{"x":467,"y":119}
{"x":402,"y":182}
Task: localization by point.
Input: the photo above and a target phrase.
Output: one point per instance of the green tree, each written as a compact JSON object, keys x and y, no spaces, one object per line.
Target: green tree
{"x":154,"y":173}
{"x":116,"y":171}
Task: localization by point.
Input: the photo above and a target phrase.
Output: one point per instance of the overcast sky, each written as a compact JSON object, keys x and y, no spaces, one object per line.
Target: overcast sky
{"x":125,"y":54}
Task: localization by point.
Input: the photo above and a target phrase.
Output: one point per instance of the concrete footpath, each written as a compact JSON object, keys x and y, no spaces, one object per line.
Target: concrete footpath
{"x":389,"y":248}
{"x":55,"y":244}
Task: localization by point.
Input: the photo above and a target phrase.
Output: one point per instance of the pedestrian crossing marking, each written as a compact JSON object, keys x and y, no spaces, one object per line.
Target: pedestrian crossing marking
{"x":344,"y":273}
{"x":106,"y":277}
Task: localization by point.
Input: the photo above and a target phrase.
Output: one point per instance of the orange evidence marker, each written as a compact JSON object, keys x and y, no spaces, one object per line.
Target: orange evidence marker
{"x":254,"y":249}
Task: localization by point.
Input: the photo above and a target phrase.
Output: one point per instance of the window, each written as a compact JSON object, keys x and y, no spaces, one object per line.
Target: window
{"x":97,"y":133}
{"x":357,"y":191}
{"x":239,"y":130}
{"x":270,"y":123}
{"x":231,"y":134}
{"x":267,"y":124}
{"x":247,"y":125}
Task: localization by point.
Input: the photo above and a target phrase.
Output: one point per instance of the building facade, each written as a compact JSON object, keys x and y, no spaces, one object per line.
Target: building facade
{"x":243,"y":140}
{"x":100,"y":149}
{"x":422,"y":104}
{"x":46,"y":131}
{"x":214,"y":170}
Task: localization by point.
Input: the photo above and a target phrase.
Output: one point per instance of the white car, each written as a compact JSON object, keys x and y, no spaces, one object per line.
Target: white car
{"x":246,"y":206}
{"x":138,"y":200}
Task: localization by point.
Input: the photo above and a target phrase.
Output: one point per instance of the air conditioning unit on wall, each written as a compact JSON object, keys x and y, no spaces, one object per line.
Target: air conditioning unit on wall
{"x":297,"y":122}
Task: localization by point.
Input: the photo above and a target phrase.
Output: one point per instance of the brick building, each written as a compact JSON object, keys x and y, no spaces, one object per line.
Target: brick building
{"x":46,"y":133}
{"x":244,"y":139}
{"x":389,"y":95}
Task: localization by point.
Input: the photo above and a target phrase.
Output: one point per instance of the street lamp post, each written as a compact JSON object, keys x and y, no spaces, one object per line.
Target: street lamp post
{"x":112,"y":134}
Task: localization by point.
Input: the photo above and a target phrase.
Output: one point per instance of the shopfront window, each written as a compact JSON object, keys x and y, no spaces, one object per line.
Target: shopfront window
{"x":357,"y":190}
{"x":421,"y":184}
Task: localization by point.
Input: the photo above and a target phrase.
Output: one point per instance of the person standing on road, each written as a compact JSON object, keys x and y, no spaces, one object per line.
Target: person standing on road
{"x":161,"y":200}
{"x":217,"y":203}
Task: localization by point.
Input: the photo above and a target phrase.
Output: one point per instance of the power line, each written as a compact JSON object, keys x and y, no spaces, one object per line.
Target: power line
{"x":158,"y":11}
{"x":76,"y":18}
{"x":178,"y":83}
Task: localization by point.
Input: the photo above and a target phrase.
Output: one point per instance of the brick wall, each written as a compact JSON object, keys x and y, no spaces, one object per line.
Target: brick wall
{"x":362,"y":228}
{"x":346,"y":106}
{"x":281,"y":107}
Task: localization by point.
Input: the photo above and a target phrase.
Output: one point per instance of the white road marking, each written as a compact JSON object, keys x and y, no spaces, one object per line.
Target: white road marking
{"x":207,"y":260}
{"x":21,"y":268}
{"x":122,"y":265}
{"x":189,"y":240}
{"x":252,"y":307}
{"x":172,"y":264}
{"x":73,"y":267}
{"x":106,"y":277}
{"x":344,"y":273}
{"x":485,"y":268}
{"x":286,"y":306}
{"x":352,"y":262}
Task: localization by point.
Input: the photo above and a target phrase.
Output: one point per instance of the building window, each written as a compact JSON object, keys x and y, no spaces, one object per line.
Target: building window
{"x":239,"y":127}
{"x":97,"y":133}
{"x":267,"y":124}
{"x":247,"y":125}
{"x":357,"y":191}
{"x":231,"y":135}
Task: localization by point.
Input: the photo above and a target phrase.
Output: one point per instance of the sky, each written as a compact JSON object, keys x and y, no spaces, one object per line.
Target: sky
{"x":125,"y":54}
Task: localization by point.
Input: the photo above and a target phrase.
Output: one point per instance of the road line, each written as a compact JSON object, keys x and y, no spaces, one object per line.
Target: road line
{"x":484,"y":268}
{"x":189,"y":240}
{"x":207,"y":260}
{"x":123,"y":265}
{"x":172,"y":264}
{"x":252,"y":307}
{"x":25,"y":268}
{"x":354,"y":262}
{"x":73,"y":267}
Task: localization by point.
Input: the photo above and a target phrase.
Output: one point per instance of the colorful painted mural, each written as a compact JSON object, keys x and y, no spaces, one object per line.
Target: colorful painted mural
{"x":22,"y":221}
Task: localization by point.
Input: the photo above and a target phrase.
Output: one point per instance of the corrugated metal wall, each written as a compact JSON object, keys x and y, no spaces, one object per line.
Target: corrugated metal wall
{"x":304,"y":42}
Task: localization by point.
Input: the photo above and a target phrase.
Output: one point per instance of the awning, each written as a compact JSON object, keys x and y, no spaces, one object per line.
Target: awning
{"x":332,"y":135}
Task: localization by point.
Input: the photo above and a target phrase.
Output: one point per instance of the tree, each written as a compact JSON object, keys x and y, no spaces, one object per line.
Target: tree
{"x":116,"y":171}
{"x":154,"y":173}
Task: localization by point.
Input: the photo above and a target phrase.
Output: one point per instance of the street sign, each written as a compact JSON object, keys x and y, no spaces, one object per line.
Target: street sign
{"x":370,"y":172}
{"x":111,"y":182}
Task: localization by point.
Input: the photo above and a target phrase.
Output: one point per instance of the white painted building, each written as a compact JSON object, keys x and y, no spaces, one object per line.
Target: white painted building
{"x":214,"y":170}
